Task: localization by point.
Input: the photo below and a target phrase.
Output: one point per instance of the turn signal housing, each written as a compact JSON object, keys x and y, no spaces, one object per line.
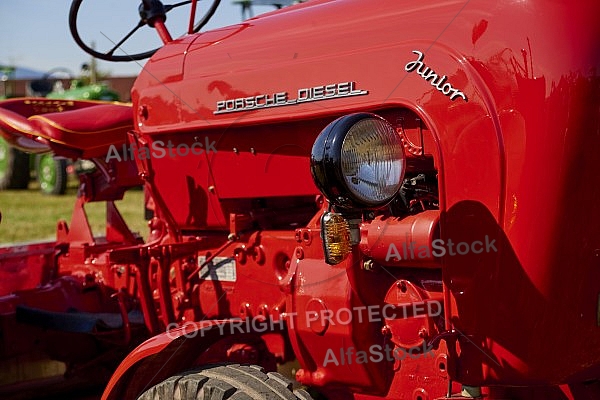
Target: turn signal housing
{"x":335,"y":235}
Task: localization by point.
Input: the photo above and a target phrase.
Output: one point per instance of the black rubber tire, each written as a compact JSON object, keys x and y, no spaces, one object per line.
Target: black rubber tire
{"x":226,"y":381}
{"x":14,"y":167}
{"x":51,"y":174}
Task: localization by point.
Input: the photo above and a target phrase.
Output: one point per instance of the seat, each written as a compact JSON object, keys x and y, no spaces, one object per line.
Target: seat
{"x":72,"y":128}
{"x":91,"y":130}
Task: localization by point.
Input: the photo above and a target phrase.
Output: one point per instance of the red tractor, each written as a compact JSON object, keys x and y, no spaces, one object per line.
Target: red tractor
{"x":398,"y":197}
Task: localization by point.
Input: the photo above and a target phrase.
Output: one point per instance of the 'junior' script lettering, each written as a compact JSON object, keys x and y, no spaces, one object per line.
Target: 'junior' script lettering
{"x":438,"y":82}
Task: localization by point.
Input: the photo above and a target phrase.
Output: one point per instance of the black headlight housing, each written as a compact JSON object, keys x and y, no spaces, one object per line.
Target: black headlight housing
{"x":358,"y":162}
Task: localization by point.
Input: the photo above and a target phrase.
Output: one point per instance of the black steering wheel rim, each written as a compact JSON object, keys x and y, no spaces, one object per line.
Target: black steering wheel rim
{"x":74,"y":11}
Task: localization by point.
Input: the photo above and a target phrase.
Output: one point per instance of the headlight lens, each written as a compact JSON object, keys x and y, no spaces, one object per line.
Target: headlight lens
{"x":358,"y":161}
{"x":372,"y":161}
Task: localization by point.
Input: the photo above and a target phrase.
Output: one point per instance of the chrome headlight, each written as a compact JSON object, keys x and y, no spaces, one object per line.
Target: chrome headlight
{"x":358,"y":161}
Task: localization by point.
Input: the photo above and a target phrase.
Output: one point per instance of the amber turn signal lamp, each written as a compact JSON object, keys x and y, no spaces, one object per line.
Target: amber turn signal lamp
{"x":335,"y":234}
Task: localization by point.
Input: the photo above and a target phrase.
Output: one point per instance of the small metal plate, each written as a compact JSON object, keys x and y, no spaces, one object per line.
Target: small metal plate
{"x":219,"y":269}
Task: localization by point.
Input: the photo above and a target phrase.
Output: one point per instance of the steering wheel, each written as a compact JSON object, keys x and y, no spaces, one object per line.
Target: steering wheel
{"x":150,"y":11}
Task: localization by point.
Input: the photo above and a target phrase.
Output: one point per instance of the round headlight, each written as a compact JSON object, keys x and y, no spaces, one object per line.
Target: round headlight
{"x":358,"y":161}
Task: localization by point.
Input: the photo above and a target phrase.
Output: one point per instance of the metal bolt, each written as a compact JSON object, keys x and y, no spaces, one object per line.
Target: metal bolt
{"x":252,"y":150}
{"x":306,"y":238}
{"x":211,"y":189}
{"x":240,"y":255}
{"x":245,"y":311}
{"x":263,"y":310}
{"x":235,"y":150}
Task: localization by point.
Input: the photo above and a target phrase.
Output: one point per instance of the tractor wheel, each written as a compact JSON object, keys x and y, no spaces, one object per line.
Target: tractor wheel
{"x":14,"y":167}
{"x":226,"y":381}
{"x":51,"y":174}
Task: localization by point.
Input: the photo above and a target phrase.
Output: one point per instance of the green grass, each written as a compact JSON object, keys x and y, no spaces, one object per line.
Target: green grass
{"x":28,"y":215}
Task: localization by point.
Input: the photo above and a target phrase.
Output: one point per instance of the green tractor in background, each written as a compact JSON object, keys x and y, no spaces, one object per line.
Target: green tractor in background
{"x":50,"y":171}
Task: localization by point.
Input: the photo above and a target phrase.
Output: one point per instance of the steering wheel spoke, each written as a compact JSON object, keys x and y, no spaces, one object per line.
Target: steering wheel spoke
{"x":169,"y":7}
{"x":131,"y":32}
{"x":163,"y":10}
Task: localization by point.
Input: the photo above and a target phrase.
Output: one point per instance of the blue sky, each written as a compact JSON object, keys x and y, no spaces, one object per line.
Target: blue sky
{"x":35,"y":33}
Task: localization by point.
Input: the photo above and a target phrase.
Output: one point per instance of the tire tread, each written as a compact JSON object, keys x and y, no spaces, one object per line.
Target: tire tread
{"x":226,"y":382}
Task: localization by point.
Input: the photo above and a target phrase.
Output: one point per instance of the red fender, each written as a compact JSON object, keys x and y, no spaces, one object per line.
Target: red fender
{"x":169,"y":353}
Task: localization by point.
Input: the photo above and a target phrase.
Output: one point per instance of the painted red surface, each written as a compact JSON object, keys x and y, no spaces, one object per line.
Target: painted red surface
{"x":510,"y":128}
